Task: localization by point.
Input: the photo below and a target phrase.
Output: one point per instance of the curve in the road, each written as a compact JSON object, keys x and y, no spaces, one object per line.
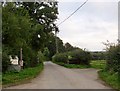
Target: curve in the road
{"x":58,"y":77}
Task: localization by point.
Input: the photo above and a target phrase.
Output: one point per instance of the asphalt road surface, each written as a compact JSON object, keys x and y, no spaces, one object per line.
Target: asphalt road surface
{"x":57,"y":77}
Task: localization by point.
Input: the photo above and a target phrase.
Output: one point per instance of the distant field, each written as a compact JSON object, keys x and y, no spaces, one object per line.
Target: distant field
{"x":98,"y":64}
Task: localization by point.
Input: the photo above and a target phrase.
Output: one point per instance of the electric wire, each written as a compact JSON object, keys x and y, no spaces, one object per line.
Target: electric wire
{"x":72,"y":13}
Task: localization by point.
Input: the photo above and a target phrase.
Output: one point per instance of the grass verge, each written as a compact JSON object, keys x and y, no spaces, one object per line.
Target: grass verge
{"x":97,"y":64}
{"x":110,"y":78}
{"x":12,"y":78}
{"x":73,"y":65}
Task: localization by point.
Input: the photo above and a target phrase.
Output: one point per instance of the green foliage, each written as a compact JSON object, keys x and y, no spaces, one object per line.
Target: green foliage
{"x":11,"y":78}
{"x":73,"y":57}
{"x":16,"y":30}
{"x":22,"y":22}
{"x":29,"y":57}
{"x":41,"y":57}
{"x":110,"y":78}
{"x":16,"y":33}
{"x":79,"y":56}
{"x":73,"y":65}
{"x":76,"y":66}
{"x":5,"y":61}
{"x":51,"y":45}
{"x":113,"y":56}
{"x":61,"y":57}
{"x":46,"y":12}
{"x":98,"y":55}
{"x":111,"y":73}
{"x":46,"y":53}
{"x":68,"y":47}
{"x":98,"y":64}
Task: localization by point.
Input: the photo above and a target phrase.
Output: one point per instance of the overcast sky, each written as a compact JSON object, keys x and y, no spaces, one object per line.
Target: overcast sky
{"x":94,"y":23}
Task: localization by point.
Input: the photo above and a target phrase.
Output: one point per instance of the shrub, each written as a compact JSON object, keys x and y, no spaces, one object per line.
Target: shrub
{"x":61,"y":57}
{"x":80,"y":57}
{"x":29,"y":57}
{"x":98,"y":55}
{"x":113,"y":58}
{"x":5,"y":62}
{"x":46,"y":53}
{"x":73,"y":57}
{"x":41,"y":57}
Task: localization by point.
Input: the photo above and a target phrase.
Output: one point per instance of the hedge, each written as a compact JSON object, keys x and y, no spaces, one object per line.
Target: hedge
{"x":61,"y":57}
{"x":113,"y":58}
{"x":73,"y":57}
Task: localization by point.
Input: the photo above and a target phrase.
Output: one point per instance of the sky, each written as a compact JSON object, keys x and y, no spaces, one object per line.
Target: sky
{"x":94,"y":23}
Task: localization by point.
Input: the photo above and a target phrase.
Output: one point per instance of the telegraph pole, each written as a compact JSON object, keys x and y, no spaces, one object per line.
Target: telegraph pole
{"x":118,"y":23}
{"x":56,"y":42}
{"x":20,"y":54}
{"x":21,"y":61}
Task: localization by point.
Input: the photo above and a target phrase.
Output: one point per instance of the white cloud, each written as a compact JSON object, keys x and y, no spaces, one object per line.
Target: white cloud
{"x":90,"y":26}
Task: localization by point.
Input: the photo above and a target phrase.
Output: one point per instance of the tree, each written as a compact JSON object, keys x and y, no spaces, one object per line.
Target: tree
{"x":46,"y":53}
{"x":113,"y":58}
{"x":22,"y":23}
{"x":45,"y":14}
{"x":68,"y":47}
{"x":51,"y":45}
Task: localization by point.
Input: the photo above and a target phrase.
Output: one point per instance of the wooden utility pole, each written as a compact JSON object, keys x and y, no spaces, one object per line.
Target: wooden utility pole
{"x":119,"y":23}
{"x":56,"y":42}
{"x":21,"y":60}
{"x":20,"y":54}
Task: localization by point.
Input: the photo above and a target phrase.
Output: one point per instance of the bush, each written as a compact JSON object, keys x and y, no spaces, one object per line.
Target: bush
{"x":110,"y":78}
{"x":61,"y":57}
{"x":73,"y":57}
{"x":113,"y":58}
{"x":29,"y":57}
{"x":5,"y":58}
{"x":41,"y":57}
{"x":5,"y":62}
{"x":46,"y":53}
{"x":79,"y":57}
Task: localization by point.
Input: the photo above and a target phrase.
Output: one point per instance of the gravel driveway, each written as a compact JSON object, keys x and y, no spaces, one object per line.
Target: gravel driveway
{"x":57,"y":77}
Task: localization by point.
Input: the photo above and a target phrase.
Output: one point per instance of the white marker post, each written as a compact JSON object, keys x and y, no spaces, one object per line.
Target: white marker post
{"x":21,"y":61}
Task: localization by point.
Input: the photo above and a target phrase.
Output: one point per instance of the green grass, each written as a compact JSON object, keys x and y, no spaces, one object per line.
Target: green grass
{"x":73,"y":65}
{"x":110,"y":78}
{"x":98,"y":64}
{"x":76,"y":66}
{"x":12,"y":78}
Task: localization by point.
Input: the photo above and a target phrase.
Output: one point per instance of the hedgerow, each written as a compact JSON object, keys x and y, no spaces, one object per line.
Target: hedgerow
{"x":113,"y":58}
{"x":73,"y":57}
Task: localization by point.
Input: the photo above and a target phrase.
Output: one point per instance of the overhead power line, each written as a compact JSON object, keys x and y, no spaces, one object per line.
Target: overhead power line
{"x":73,"y":13}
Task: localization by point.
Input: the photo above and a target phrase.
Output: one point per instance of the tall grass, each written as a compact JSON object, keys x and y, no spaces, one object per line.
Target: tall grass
{"x":110,"y":78}
{"x":11,"y":78}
